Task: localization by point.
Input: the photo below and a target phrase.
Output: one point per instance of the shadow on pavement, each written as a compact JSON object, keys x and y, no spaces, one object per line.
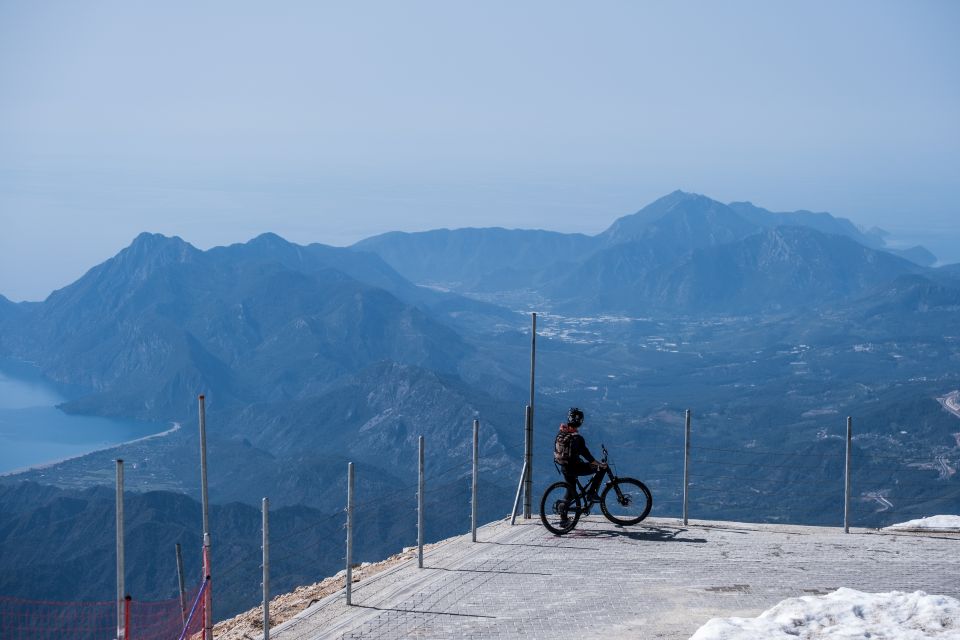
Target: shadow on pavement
{"x":543,"y":546}
{"x":433,"y":613}
{"x":648,"y":534}
{"x":515,"y":573}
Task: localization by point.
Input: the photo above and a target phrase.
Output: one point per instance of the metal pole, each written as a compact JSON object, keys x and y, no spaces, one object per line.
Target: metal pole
{"x":533,"y":354}
{"x":121,"y":587}
{"x":349,"y":582}
{"x":183,"y":588}
{"x":846,"y":481}
{"x":528,"y":462}
{"x":126,"y":616}
{"x":208,"y":597}
{"x":686,"y":464}
{"x":528,"y":490}
{"x":266,"y":569}
{"x":516,"y":499}
{"x":420,"y":509}
{"x":476,"y":473}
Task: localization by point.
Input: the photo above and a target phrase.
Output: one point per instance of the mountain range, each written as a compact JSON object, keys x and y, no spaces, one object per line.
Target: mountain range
{"x":166,"y":316}
{"x":643,"y":260}
{"x":769,"y":324}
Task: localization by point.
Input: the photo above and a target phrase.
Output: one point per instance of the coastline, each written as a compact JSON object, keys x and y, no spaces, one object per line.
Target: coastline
{"x":46,"y":465}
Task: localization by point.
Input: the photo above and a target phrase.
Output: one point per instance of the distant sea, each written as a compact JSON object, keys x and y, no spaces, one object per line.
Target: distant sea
{"x":943,"y":242}
{"x":34,"y":432}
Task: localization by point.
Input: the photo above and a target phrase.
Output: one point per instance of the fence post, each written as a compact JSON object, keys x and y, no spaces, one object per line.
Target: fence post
{"x":516,"y":499}
{"x":473,"y":487}
{"x":349,"y":583}
{"x":533,"y":355}
{"x":846,"y":479}
{"x":686,"y":464}
{"x":528,"y":421}
{"x":528,"y":462}
{"x":183,"y":588}
{"x":121,"y":586}
{"x":126,"y":616}
{"x":266,"y":568}
{"x":208,"y":597}
{"x":420,"y":509}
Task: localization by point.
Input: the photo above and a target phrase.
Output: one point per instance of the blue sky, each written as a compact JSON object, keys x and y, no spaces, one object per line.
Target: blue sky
{"x":329,"y":122}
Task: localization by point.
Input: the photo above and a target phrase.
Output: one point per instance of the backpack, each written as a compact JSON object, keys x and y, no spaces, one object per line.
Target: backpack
{"x":563,"y":447}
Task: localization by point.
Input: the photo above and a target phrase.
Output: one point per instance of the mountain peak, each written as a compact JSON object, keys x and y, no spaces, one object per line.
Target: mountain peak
{"x":271,"y":246}
{"x":146,"y":239}
{"x":677,"y":196}
{"x":151,"y":246}
{"x":149,"y":251}
{"x":269,"y":239}
{"x":697,"y":219}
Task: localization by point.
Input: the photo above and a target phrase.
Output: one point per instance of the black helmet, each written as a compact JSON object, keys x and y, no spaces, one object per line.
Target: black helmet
{"x":574,"y":417}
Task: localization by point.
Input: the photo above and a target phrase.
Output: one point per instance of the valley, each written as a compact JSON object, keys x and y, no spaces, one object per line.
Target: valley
{"x":313,"y":356}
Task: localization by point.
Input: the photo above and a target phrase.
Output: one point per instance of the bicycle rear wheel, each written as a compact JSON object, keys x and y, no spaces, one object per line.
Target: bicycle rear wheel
{"x":626,"y":501}
{"x":558,"y":515}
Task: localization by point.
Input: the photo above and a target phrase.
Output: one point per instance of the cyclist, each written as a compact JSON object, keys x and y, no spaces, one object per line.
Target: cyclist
{"x":571,"y":454}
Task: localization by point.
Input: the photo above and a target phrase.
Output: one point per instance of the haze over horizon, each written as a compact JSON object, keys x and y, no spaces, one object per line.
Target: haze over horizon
{"x":330,"y":124}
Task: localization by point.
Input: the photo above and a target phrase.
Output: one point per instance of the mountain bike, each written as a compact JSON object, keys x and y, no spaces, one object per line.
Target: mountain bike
{"x":624,"y":501}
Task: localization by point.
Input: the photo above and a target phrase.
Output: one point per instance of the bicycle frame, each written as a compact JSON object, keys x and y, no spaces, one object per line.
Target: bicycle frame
{"x":609,"y":476}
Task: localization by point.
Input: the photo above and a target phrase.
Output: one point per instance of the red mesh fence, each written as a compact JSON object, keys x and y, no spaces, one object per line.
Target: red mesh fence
{"x":47,"y":620}
{"x":50,"y":620}
{"x":163,"y":620}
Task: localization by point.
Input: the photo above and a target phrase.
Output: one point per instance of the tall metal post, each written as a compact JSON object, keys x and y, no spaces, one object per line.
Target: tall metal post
{"x":528,"y":462}
{"x":121,"y":587}
{"x":208,"y":596}
{"x":686,"y":464}
{"x":420,"y":509}
{"x":473,"y":485}
{"x":528,"y":420}
{"x":183,"y":588}
{"x":846,"y":479}
{"x":533,"y":354}
{"x":349,"y":583}
{"x":266,"y":569}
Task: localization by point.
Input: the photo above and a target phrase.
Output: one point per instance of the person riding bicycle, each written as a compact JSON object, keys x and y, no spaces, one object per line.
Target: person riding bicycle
{"x":571,"y":454}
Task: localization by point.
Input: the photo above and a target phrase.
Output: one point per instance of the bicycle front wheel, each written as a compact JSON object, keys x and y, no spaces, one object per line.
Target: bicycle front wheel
{"x":558,"y":514}
{"x":626,"y":501}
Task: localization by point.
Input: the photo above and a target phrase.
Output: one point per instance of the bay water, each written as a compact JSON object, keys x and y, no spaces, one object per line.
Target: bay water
{"x":34,"y":432}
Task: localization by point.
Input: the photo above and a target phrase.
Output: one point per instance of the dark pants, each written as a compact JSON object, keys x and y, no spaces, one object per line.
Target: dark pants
{"x":574,"y":469}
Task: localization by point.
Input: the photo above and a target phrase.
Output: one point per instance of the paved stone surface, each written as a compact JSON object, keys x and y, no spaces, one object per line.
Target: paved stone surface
{"x":656,"y":580}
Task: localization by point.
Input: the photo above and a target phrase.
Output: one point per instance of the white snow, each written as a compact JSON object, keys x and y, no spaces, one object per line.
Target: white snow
{"x":845,"y":614}
{"x":940,"y":523}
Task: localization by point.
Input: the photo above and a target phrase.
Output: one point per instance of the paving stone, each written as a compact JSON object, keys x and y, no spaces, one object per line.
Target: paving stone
{"x":655,"y":580}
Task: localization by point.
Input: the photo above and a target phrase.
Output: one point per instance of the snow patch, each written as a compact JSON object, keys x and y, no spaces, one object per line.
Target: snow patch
{"x":940,"y":523}
{"x":845,"y":613}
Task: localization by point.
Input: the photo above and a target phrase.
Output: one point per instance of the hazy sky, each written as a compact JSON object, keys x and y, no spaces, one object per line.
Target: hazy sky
{"x":332,"y":121}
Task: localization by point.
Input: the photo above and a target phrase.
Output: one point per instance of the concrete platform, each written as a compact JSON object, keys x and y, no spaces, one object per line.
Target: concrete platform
{"x":656,"y":580}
